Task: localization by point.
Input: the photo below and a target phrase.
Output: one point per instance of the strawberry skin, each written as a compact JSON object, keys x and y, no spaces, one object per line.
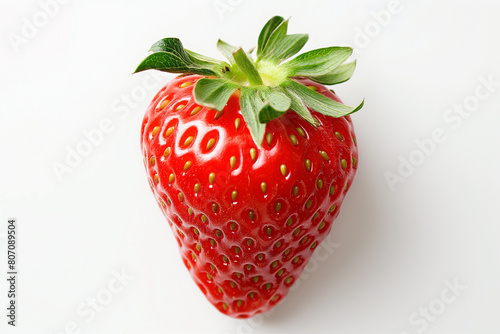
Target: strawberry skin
{"x":247,"y":218}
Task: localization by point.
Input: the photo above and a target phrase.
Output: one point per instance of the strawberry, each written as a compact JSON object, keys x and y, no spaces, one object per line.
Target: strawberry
{"x":250,"y":161}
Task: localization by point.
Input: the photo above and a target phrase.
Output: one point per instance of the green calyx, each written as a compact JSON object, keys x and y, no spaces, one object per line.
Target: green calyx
{"x":267,"y":86}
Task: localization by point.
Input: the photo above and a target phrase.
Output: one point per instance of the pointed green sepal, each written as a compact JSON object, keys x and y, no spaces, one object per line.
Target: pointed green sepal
{"x":318,"y":102}
{"x":267,"y":113}
{"x":340,"y":74}
{"x":169,"y":44}
{"x":227,"y":50}
{"x":250,"y":106}
{"x":317,"y":62}
{"x":266,"y":32}
{"x":214,"y":93}
{"x":275,"y":105}
{"x":275,"y":39}
{"x":289,"y":46}
{"x":247,"y":66}
{"x":170,"y":56}
{"x":169,"y":62}
{"x":298,"y":106}
{"x":207,"y":62}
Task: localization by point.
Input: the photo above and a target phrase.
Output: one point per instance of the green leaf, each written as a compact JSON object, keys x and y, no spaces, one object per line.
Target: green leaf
{"x":287,"y":47}
{"x":275,"y":105}
{"x":298,"y":106}
{"x":266,"y":33}
{"x":318,"y":102}
{"x":202,"y":60}
{"x":214,"y":93}
{"x":170,"y":56}
{"x":276,"y":37}
{"x":172,"y":45}
{"x":169,"y":62}
{"x":338,"y":75}
{"x":318,"y":62}
{"x":227,"y":50}
{"x":212,"y":64}
{"x":279,"y":101}
{"x":250,"y":106}
{"x":267,"y":113}
{"x":246,"y":65}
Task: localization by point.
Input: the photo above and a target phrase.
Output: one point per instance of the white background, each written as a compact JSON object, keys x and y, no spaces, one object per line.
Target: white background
{"x":397,"y":248}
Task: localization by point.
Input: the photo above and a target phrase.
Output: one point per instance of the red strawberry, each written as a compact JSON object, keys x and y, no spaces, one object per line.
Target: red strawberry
{"x":247,"y":162}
